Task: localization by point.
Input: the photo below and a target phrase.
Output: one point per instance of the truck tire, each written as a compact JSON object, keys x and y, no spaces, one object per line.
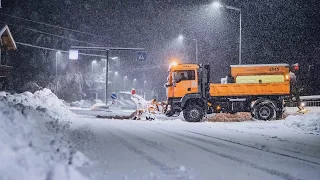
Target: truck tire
{"x":193,"y":113}
{"x":264,"y":111}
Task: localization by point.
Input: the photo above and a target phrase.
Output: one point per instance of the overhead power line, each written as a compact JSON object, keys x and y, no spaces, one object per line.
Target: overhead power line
{"x":54,"y":26}
{"x":52,"y":49}
{"x":59,"y":36}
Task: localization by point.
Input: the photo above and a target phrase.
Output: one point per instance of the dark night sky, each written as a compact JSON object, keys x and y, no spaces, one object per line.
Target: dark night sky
{"x":274,"y":31}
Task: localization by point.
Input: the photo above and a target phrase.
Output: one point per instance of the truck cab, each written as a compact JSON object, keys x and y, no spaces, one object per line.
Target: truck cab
{"x":182,"y":80}
{"x":187,"y":90}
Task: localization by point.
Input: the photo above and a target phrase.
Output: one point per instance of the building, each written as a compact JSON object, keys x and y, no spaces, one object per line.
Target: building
{"x":7,"y":43}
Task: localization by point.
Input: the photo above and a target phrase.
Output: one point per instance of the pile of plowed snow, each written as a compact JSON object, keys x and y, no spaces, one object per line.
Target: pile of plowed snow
{"x":307,"y":122}
{"x":33,"y":141}
{"x":224,"y":117}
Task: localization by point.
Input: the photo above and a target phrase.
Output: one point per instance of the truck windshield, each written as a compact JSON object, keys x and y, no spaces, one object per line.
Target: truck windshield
{"x":183,"y":75}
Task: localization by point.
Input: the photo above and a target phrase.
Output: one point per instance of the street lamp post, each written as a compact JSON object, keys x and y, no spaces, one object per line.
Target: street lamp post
{"x":115,"y":78}
{"x":92,"y":64}
{"x":57,"y":54}
{"x":219,"y":5}
{"x":107,"y":74}
{"x":144,"y":89}
{"x":105,"y":89}
{"x":197,"y":51}
{"x":196,"y":41}
{"x":124,"y":82}
{"x":133,"y":83}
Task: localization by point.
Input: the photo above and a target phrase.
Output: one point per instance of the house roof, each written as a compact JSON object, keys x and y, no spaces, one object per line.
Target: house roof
{"x":7,"y":41}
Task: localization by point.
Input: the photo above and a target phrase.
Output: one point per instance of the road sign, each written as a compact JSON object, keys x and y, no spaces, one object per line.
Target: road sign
{"x":73,"y":54}
{"x":113,"y":96}
{"x":141,"y":56}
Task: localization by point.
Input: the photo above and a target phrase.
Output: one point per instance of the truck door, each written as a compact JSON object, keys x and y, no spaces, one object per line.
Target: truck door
{"x":184,"y":82}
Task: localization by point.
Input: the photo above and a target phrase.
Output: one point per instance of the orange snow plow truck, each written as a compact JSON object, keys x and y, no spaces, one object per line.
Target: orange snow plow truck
{"x":259,"y":89}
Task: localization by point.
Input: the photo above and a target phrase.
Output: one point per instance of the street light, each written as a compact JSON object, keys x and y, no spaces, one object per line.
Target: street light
{"x":181,"y":37}
{"x":219,"y":5}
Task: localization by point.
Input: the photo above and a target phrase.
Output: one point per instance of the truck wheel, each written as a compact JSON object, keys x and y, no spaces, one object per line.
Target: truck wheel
{"x":168,"y":113}
{"x":193,"y":113}
{"x":264,"y":111}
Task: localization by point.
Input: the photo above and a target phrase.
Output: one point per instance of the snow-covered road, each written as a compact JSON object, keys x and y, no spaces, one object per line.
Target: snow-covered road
{"x":40,"y":138}
{"x":174,"y":149}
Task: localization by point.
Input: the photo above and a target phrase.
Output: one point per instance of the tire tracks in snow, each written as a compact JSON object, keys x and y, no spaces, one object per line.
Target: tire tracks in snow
{"x":223,"y":155}
{"x":253,"y":147}
{"x":168,"y":171}
{"x":290,"y":140}
{"x":151,"y":144}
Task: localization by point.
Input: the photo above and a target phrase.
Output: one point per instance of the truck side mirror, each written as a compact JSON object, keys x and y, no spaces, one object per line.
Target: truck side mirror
{"x":166,"y":85}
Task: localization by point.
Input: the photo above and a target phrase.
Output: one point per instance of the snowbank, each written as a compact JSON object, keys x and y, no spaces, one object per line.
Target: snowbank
{"x":307,"y":122}
{"x":43,"y":100}
{"x":33,"y":141}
